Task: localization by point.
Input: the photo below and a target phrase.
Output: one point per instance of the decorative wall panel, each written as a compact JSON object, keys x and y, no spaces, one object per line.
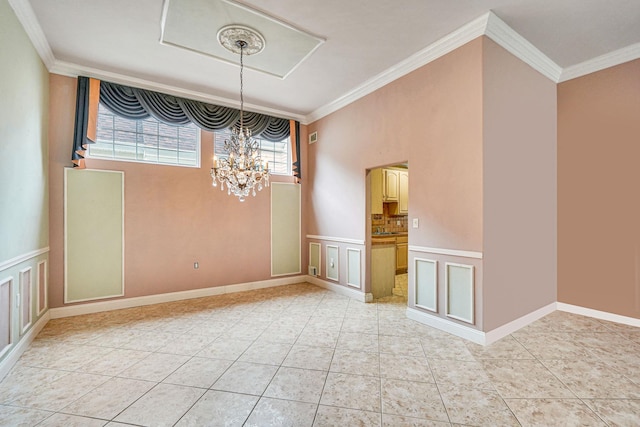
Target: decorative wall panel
{"x":26,"y":309}
{"x":5,"y":314}
{"x":315,"y":256}
{"x":460,"y":292}
{"x":94,"y":234}
{"x":285,"y":229}
{"x":42,"y":287}
{"x":353,"y":267}
{"x":426,"y":284}
{"x":332,"y":263}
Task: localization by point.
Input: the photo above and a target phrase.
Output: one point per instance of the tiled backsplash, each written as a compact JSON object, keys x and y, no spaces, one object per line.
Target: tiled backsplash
{"x":388,"y":222}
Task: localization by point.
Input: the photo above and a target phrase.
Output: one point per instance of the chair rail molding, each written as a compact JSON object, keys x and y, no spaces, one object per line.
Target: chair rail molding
{"x":22,"y":258}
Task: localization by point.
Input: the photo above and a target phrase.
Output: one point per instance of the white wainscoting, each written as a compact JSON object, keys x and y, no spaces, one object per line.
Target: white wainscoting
{"x":354,"y":267}
{"x":474,"y":335}
{"x":23,"y":288}
{"x":341,"y":290}
{"x":336,"y":239}
{"x":450,"y":252}
{"x":332,"y":263}
{"x":42,"y":287}
{"x":22,"y":258}
{"x":17,"y":349}
{"x":460,"y":292}
{"x":426,"y":284}
{"x":6,"y":315}
{"x":26,"y":309}
{"x":315,"y":256}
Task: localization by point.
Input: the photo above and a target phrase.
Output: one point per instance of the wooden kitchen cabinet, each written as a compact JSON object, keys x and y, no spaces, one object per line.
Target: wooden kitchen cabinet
{"x":403,"y":193}
{"x":382,"y":268}
{"x":391,"y":185}
{"x":402,"y":254}
{"x":401,"y":207}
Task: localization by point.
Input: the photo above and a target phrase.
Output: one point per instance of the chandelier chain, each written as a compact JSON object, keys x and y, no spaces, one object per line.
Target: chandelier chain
{"x":241,"y":44}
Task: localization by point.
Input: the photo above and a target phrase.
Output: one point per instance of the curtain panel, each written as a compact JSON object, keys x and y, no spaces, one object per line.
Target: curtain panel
{"x":84,"y":133}
{"x":295,"y":150}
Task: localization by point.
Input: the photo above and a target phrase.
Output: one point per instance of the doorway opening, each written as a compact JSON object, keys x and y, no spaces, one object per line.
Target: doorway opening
{"x":388,"y":232}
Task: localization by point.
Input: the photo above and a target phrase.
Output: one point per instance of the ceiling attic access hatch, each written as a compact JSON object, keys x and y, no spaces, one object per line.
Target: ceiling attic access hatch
{"x":193,"y":24}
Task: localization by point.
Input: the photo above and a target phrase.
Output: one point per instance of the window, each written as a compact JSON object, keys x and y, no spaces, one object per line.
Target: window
{"x":276,"y":153}
{"x":147,"y":140}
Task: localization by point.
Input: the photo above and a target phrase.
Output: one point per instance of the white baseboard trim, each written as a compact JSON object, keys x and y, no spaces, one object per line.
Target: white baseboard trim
{"x":341,"y":290}
{"x":603,"y":315}
{"x":445,"y":325}
{"x":97,"y":307}
{"x":474,"y":335}
{"x":509,"y":328}
{"x":7,"y":363}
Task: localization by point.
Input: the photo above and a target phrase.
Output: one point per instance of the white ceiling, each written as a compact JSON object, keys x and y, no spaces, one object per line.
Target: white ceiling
{"x":188,"y":23}
{"x":368,"y":42}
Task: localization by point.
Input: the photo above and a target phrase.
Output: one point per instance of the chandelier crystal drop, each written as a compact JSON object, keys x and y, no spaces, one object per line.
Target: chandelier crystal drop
{"x":244,"y":170}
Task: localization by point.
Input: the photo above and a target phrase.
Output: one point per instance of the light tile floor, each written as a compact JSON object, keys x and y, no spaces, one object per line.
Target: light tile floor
{"x":302,"y":356}
{"x":401,"y":286}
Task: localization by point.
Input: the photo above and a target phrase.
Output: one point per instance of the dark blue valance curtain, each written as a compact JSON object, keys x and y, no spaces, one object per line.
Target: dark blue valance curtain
{"x":134,"y":103}
{"x":297,"y":168}
{"x":83,"y":131}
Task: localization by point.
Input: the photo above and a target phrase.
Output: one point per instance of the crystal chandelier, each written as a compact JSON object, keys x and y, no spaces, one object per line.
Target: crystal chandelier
{"x":243,"y":170}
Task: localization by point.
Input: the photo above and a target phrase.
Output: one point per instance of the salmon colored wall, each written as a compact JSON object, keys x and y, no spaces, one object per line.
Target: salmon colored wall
{"x":416,"y":118}
{"x":519,"y":157}
{"x":173,"y":217}
{"x":598,"y":178}
{"x":432,"y":118}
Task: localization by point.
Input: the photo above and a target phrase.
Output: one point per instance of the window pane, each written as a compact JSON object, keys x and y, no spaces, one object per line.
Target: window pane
{"x":150,"y":155}
{"x":147,"y":140}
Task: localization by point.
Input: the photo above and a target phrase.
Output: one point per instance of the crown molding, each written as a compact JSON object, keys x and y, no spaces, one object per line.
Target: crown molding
{"x":29,"y":21}
{"x":521,"y":48}
{"x":611,"y":59}
{"x":446,"y":44}
{"x":74,"y":70}
{"x":26,"y":16}
{"x":488,"y":24}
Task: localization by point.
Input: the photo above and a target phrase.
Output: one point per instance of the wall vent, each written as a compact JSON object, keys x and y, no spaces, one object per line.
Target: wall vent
{"x":313,"y":137}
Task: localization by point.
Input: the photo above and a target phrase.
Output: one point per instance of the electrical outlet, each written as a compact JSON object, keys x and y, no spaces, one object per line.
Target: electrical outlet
{"x":398,"y":222}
